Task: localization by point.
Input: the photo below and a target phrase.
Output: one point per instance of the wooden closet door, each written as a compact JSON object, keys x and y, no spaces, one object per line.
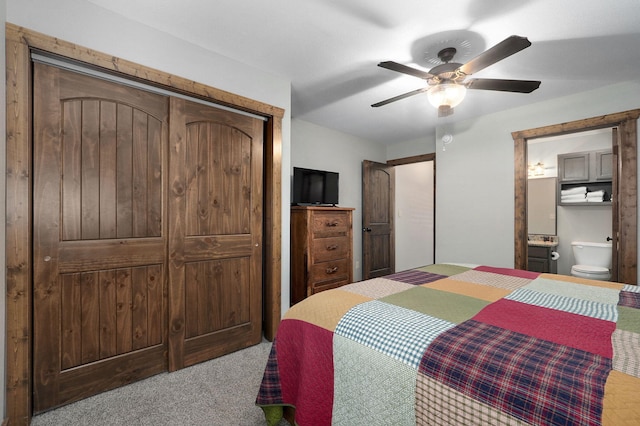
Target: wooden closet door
{"x":99,"y":239}
{"x":215,"y":232}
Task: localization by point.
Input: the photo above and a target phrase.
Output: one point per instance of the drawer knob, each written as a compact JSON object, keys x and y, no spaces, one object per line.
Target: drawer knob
{"x":332,"y":247}
{"x":332,"y":270}
{"x":334,"y":223}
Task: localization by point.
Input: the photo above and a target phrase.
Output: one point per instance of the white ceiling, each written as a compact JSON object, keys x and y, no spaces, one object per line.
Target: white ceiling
{"x":329,"y":50}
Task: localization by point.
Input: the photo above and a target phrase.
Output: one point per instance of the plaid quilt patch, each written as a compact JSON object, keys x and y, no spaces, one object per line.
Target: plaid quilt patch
{"x":531,"y":379}
{"x":415,"y":276}
{"x":270,"y":392}
{"x":630,"y":299}
{"x":439,"y":405}
{"x":401,"y":333}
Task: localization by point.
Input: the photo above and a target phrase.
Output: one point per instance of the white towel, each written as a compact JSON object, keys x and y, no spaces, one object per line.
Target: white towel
{"x":576,"y":197}
{"x":595,"y":193}
{"x":576,"y":200}
{"x":576,"y":190}
{"x":595,"y":200}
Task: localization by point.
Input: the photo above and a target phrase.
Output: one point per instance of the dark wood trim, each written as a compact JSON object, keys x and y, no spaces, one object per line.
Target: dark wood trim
{"x":19,"y":43}
{"x":627,"y":201}
{"x":273,"y":228}
{"x":520,"y":223}
{"x":413,"y":159}
{"x":18,"y":231}
{"x":601,"y":122}
{"x":627,"y":197}
{"x":615,"y":149}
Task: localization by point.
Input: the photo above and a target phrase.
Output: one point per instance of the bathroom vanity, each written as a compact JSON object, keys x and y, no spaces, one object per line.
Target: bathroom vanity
{"x":542,"y":254}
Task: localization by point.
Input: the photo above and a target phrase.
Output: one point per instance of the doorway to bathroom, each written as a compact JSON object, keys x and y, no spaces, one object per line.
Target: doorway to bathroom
{"x":624,"y":128}
{"x":590,"y":221}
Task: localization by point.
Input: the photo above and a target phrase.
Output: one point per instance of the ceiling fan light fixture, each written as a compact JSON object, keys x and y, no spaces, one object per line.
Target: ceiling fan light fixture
{"x":446,"y":96}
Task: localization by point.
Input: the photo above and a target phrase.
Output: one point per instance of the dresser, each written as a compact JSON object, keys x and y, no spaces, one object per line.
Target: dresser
{"x":321,"y":249}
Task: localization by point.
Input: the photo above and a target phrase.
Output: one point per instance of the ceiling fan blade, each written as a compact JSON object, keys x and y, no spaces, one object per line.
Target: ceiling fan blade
{"x":521,"y":86}
{"x":394,"y":66}
{"x":505,"y":48}
{"x":397,"y":98}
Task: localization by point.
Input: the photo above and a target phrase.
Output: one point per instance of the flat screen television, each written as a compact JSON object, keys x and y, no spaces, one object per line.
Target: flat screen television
{"x":314,"y":187}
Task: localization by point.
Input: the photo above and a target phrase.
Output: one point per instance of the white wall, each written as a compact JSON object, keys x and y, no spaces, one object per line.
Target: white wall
{"x":475,"y":175}
{"x":425,"y":145}
{"x":414,"y":215}
{"x":318,"y":147}
{"x":90,"y":26}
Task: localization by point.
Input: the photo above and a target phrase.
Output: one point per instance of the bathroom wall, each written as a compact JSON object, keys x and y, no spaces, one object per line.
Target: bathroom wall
{"x":574,"y":223}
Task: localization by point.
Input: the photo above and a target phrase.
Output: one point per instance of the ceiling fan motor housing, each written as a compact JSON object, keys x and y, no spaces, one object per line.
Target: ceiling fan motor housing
{"x":447,"y":54}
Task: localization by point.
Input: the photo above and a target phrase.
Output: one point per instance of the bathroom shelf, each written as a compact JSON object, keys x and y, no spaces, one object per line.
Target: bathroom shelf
{"x":591,"y":169}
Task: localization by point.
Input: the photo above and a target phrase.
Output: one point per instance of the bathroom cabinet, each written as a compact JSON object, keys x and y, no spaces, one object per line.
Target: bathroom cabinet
{"x":539,"y":259}
{"x":593,"y":169}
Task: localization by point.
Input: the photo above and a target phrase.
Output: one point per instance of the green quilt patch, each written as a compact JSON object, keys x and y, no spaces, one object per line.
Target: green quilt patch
{"x":451,"y":307}
{"x":444,"y":269}
{"x":628,"y":319}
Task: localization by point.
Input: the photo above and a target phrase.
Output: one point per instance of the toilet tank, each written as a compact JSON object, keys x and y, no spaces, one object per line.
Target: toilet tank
{"x":593,"y":254}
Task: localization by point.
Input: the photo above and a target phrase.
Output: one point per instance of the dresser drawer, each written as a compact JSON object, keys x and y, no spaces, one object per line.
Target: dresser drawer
{"x":328,"y":286}
{"x":328,"y":223}
{"x":333,"y":270}
{"x":331,"y":248}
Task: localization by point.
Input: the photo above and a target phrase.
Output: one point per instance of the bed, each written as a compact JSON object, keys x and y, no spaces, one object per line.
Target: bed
{"x":452,"y":344}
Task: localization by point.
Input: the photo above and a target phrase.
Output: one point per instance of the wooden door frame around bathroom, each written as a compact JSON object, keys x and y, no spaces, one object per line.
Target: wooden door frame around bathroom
{"x":625,"y":150}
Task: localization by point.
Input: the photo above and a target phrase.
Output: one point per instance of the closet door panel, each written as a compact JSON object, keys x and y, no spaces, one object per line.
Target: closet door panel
{"x":215,"y":234}
{"x":99,"y":249}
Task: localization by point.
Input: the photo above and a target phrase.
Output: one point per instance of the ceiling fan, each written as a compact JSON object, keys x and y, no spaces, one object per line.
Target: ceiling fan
{"x":446,"y":85}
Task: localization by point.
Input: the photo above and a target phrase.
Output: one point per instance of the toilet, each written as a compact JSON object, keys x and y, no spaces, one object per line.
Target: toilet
{"x":593,"y":260}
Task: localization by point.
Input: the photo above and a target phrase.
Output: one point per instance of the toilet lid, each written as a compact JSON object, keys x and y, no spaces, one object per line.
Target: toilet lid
{"x":590,"y":269}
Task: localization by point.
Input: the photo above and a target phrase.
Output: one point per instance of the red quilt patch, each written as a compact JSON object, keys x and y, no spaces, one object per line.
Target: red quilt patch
{"x":577,"y":331}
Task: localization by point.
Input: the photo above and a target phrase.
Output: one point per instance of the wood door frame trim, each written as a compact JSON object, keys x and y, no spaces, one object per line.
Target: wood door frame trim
{"x":627,"y":185}
{"x":19,"y":43}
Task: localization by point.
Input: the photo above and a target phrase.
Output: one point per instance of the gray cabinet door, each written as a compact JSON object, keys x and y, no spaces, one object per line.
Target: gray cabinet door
{"x":573,"y":167}
{"x":604,"y":165}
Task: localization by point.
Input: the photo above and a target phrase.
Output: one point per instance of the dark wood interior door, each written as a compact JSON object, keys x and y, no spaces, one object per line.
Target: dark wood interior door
{"x":215,"y":232}
{"x":99,"y":239}
{"x":378,"y":207}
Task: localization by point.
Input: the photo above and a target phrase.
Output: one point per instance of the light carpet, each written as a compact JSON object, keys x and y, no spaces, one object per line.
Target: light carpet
{"x":221,"y":391}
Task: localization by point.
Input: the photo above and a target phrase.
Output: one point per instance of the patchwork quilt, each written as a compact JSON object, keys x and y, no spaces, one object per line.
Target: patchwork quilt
{"x":455,"y":345}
